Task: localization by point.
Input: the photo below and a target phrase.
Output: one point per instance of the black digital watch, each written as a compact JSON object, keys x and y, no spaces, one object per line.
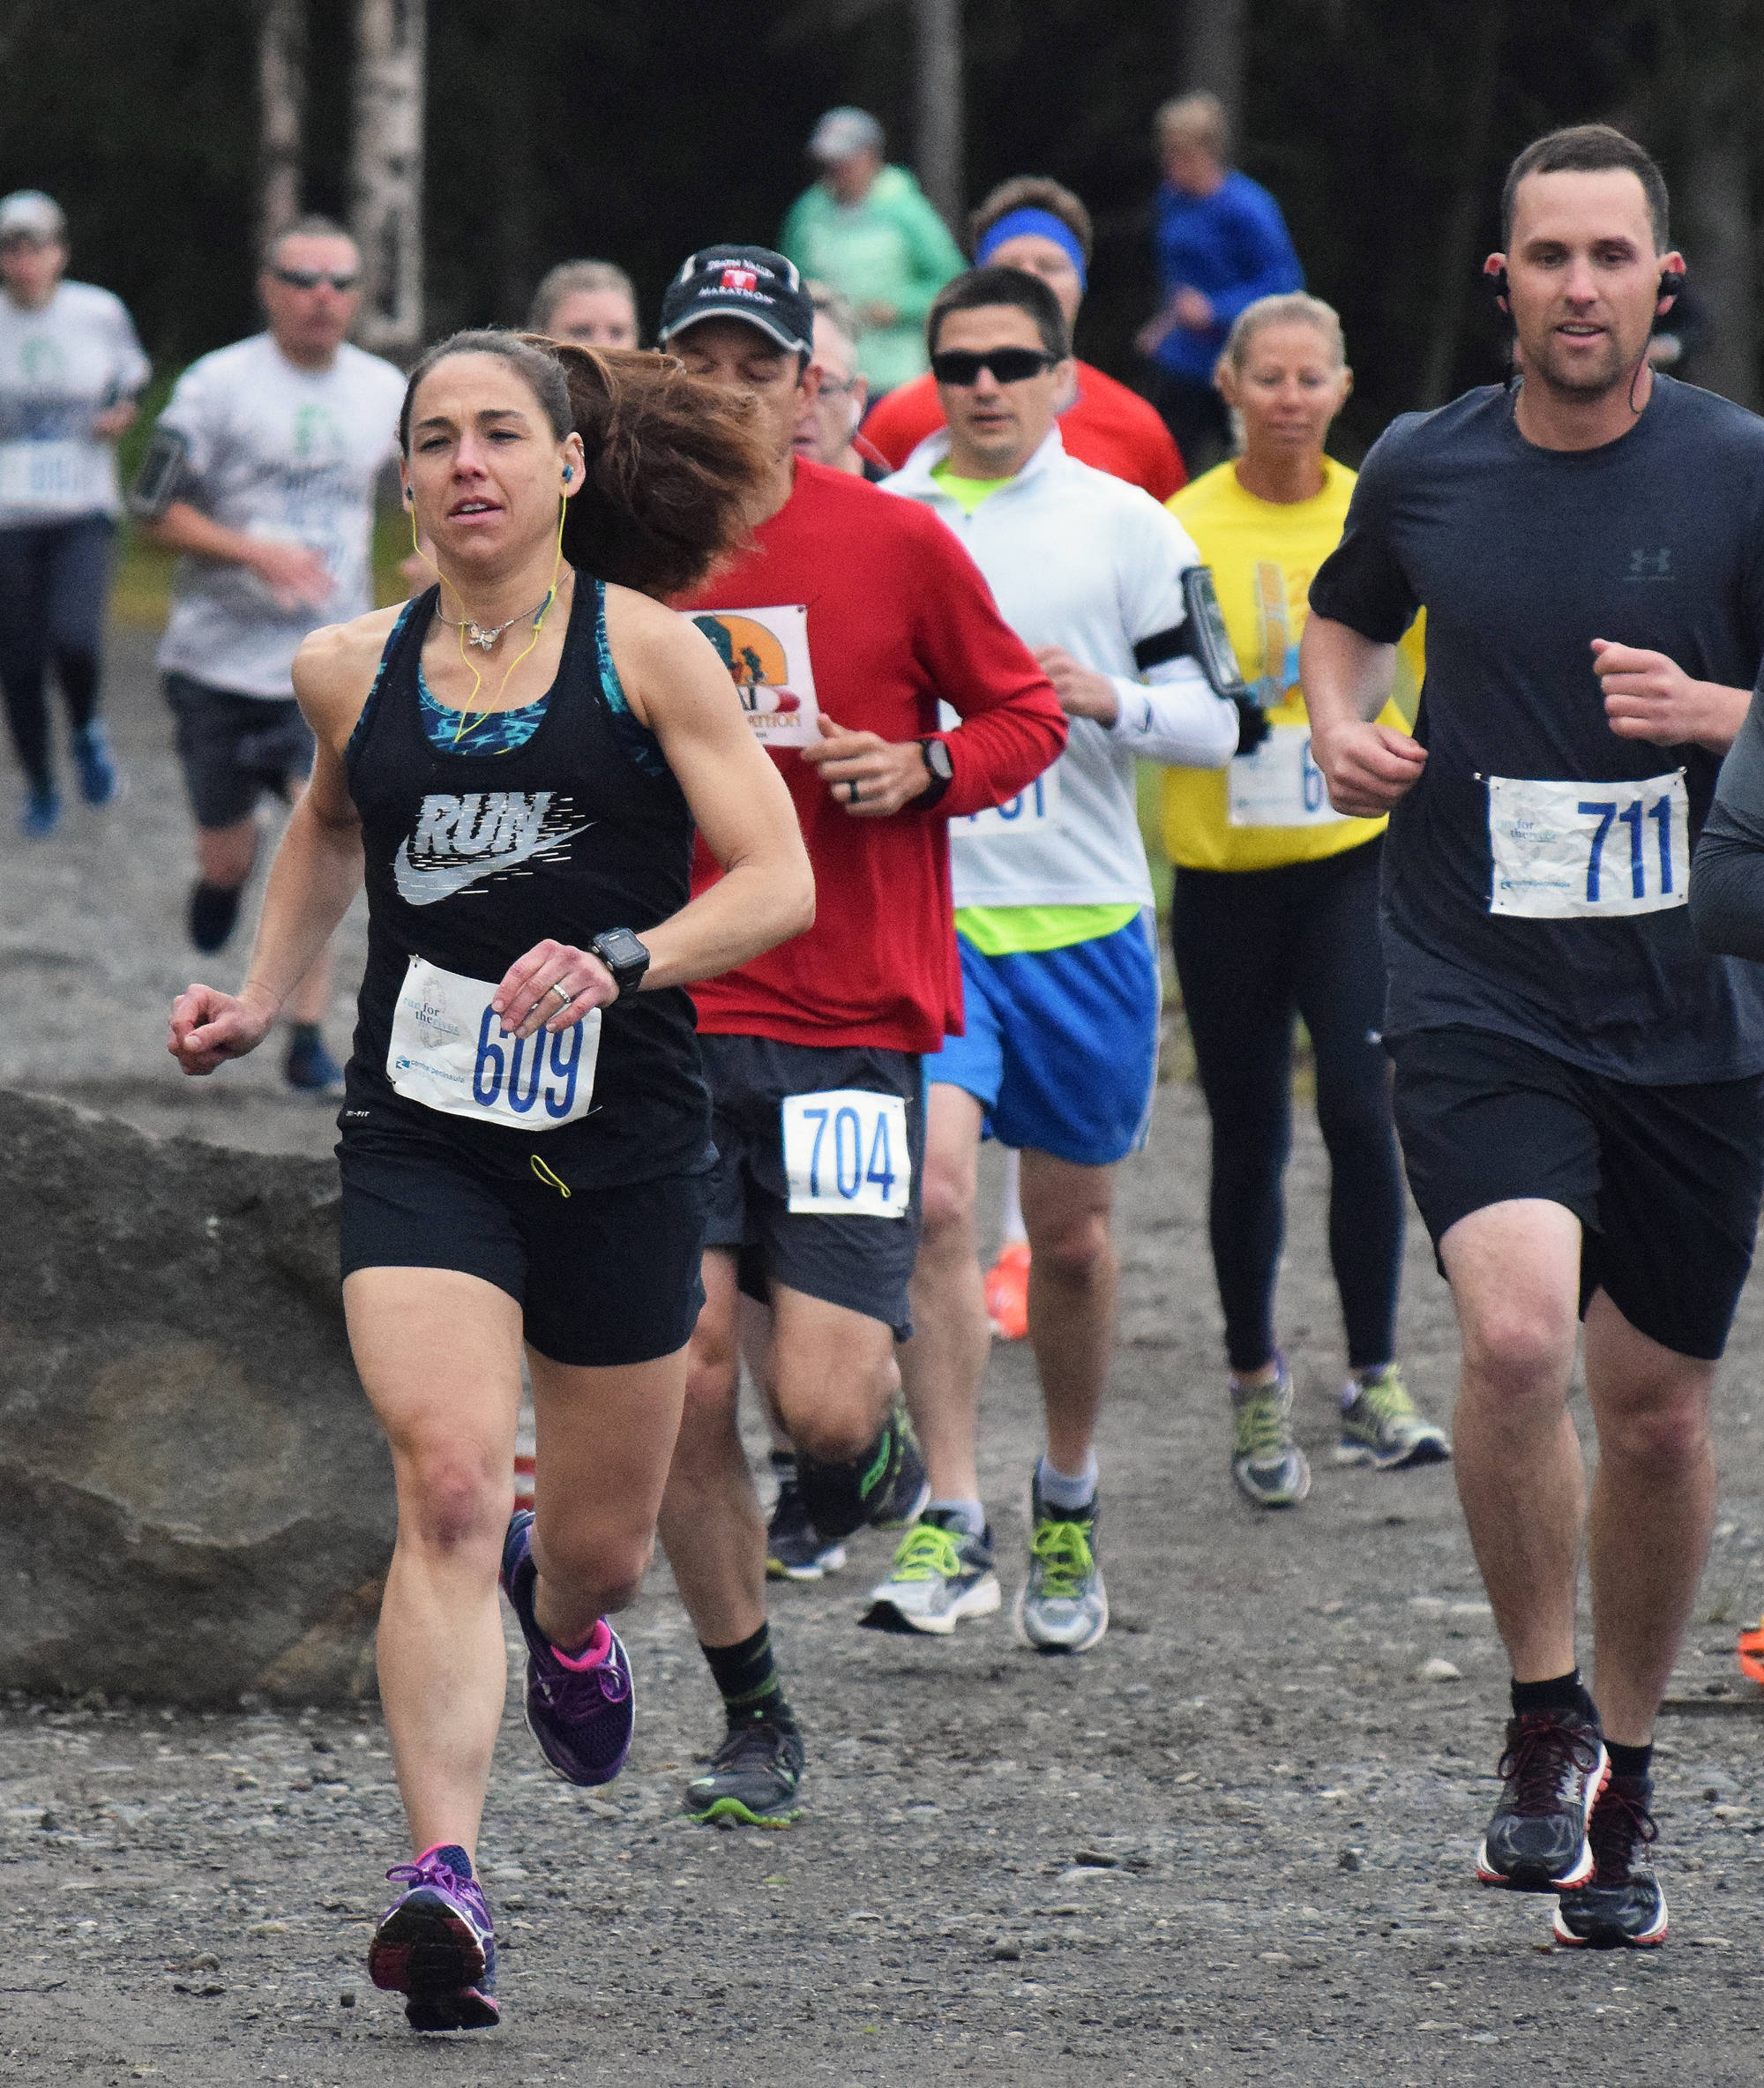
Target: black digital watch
{"x":940,"y":768}
{"x":624,"y":956}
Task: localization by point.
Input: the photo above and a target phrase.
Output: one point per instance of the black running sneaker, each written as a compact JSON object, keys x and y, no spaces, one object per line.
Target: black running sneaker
{"x":1554,"y":1767}
{"x":883,"y":1488}
{"x":213,"y":914}
{"x":795,"y":1550}
{"x":753,"y":1778}
{"x":1623,"y":1908}
{"x":901,"y":1497}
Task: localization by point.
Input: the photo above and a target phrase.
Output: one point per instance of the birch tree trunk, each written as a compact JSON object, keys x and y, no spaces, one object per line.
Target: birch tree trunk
{"x":940,"y":107}
{"x":1214,"y":41}
{"x":281,"y":90}
{"x":386,"y":214}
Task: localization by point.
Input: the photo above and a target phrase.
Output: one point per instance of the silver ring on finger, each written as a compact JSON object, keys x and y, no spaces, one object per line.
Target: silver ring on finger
{"x":852,"y":791}
{"x":556,"y":987}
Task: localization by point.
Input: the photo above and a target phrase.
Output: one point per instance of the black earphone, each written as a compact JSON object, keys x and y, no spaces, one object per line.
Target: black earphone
{"x":1671,"y":282}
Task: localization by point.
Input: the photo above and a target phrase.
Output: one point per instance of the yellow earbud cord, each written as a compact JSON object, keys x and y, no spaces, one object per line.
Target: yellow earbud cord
{"x":545,"y":1173}
{"x":468,"y":722}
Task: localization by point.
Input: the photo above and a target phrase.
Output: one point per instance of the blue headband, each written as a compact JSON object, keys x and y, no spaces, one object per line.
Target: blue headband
{"x":1043,"y":224}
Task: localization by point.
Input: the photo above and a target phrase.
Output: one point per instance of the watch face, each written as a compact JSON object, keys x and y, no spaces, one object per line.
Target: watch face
{"x":937,"y":760}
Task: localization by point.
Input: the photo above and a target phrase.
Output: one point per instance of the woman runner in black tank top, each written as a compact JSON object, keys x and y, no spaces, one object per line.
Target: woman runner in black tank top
{"x":516,"y":761}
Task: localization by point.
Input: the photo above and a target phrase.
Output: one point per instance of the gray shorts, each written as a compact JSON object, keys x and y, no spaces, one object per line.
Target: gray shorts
{"x":863,"y":1263}
{"x":235,"y":747}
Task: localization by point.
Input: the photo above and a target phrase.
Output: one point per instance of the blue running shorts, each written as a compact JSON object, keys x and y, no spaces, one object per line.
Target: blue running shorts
{"x":1061,"y":1045}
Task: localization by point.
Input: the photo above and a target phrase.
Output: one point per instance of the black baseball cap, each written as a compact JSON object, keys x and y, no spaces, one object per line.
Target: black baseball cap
{"x":741,"y":283}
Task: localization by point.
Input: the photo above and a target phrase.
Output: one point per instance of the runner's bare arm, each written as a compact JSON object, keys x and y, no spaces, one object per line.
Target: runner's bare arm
{"x":292,"y":572}
{"x":1347,"y":679}
{"x":678,"y":686}
{"x":1648,"y":696}
{"x":316,"y":868}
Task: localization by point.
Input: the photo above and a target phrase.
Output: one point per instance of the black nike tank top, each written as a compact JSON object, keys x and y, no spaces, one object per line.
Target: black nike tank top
{"x":471,"y":859}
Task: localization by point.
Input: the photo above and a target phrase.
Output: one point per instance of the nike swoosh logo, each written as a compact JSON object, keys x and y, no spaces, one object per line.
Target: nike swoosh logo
{"x":422,"y":886}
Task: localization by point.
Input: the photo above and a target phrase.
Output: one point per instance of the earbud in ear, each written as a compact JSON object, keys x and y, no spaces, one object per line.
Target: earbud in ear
{"x":568,"y":474}
{"x":1671,"y":282}
{"x":1496,"y":278}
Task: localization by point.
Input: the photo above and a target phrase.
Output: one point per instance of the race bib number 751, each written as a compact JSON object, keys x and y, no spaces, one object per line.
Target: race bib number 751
{"x":845,"y":1150}
{"x":1566,"y":849}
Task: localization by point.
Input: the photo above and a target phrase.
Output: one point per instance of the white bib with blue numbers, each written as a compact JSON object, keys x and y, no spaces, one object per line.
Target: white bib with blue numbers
{"x":845,"y":1151}
{"x":1029,"y":814}
{"x":448,"y":1053}
{"x":1562,"y":850}
{"x":1278,"y":784}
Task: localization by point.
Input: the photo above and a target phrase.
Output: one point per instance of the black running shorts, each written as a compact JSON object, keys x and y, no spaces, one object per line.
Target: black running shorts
{"x":1665,"y":1180}
{"x":863,"y":1263}
{"x":233,"y":748}
{"x":602,"y":1276}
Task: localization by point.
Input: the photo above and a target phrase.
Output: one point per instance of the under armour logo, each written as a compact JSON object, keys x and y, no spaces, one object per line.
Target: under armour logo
{"x":1650,"y":566}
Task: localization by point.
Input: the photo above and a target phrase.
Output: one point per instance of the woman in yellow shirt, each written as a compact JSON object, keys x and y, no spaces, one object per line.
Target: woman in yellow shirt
{"x":1276,"y":918}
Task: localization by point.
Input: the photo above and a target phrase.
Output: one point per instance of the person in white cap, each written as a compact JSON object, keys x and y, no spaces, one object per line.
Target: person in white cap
{"x":70,"y":366}
{"x":869,"y":231}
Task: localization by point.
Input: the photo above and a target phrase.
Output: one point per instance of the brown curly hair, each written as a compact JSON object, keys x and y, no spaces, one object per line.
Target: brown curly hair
{"x":673,"y":463}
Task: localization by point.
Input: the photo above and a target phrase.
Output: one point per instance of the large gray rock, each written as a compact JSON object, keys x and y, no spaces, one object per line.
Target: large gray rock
{"x":195,"y":1499}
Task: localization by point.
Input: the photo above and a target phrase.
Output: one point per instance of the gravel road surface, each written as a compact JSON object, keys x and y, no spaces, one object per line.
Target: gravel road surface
{"x":1232,"y":1845}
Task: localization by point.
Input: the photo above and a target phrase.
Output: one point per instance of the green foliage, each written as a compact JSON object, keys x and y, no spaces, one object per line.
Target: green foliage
{"x":592,"y":127}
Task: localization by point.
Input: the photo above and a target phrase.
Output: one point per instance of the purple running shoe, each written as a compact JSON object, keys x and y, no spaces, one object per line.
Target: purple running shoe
{"x":580,"y":1707}
{"x":435,"y":1944}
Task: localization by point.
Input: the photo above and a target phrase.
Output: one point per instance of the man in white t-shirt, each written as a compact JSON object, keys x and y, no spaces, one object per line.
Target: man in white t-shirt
{"x":70,"y":367}
{"x":262,"y":473}
{"x":1059,"y":970}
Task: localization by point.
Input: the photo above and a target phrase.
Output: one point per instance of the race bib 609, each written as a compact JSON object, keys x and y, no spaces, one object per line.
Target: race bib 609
{"x":448,"y":1053}
{"x":845,"y":1150}
{"x":1566,"y":849}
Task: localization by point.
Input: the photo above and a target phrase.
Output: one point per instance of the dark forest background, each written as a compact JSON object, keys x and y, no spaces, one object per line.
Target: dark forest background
{"x":579,"y":127}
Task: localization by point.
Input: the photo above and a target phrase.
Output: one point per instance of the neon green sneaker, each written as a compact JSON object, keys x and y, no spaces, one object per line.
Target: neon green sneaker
{"x":1383,"y":1428}
{"x":1266,"y":1463}
{"x":1063,"y":1607}
{"x":940,"y":1575}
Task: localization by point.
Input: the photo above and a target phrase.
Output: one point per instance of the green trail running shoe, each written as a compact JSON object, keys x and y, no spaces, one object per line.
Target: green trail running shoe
{"x":1063,"y":1607}
{"x":1266,"y":1463}
{"x":1383,"y":1428}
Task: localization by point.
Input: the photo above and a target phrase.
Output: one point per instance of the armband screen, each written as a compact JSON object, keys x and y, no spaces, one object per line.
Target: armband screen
{"x":1206,"y":638}
{"x":162,"y":474}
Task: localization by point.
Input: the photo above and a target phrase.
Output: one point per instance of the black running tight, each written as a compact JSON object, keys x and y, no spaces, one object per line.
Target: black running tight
{"x":1254,"y":950}
{"x":54,"y":579}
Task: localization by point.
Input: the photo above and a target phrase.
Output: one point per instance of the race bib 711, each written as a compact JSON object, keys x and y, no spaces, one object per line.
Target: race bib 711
{"x":1563,"y":850}
{"x":766,"y":654}
{"x":845,"y":1151}
{"x":448,"y":1053}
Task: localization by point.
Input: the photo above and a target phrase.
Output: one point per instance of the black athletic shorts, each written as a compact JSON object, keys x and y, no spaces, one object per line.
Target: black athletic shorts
{"x":235,"y":747}
{"x":1665,"y":1180}
{"x":602,"y":1276}
{"x":863,"y":1263}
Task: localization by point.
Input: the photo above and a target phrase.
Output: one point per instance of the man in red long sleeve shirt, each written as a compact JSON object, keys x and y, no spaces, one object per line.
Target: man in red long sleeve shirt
{"x":845,"y":622}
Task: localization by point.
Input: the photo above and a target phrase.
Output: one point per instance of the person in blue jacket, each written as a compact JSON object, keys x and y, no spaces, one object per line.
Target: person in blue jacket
{"x":1221,"y":242}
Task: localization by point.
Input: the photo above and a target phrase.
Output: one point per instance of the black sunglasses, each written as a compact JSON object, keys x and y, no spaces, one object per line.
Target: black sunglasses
{"x":1009,"y":365}
{"x":310,"y":279}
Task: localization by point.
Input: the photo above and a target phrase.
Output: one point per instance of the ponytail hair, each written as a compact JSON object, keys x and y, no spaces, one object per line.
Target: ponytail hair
{"x":673,"y":463}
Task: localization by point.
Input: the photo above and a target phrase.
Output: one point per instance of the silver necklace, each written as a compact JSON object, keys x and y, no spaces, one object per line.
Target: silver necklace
{"x":484,"y":636}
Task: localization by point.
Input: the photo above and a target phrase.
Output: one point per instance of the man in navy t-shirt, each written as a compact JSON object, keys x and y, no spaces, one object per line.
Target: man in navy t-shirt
{"x":1579,"y":1087}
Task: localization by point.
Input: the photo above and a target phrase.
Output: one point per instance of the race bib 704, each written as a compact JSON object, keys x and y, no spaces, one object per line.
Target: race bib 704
{"x":448,"y":1053}
{"x":845,"y":1151}
{"x":1562,"y":850}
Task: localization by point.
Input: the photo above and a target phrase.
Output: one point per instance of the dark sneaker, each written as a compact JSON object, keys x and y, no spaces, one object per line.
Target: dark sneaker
{"x":941,"y":1575}
{"x":753,"y":1778}
{"x":1266,"y":1463}
{"x":98,"y":778}
{"x":41,"y":814}
{"x":883,"y":1491}
{"x":1623,"y":1907}
{"x":582,"y":1714}
{"x":794,"y":1550}
{"x":435,"y":1944}
{"x":1063,"y":1607}
{"x":310,"y":1069}
{"x":899,"y":1498}
{"x":213,"y":914}
{"x":1554,"y":1767}
{"x":1385,"y":1429}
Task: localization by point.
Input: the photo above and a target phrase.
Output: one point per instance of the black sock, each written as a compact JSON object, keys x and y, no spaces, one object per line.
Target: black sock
{"x":1629,"y":1762}
{"x":1560,"y":1693}
{"x":748,"y":1679}
{"x":837,"y":1497}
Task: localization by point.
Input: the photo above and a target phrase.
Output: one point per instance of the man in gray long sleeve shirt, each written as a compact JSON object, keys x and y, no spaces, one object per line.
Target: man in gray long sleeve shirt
{"x":1727,"y":876}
